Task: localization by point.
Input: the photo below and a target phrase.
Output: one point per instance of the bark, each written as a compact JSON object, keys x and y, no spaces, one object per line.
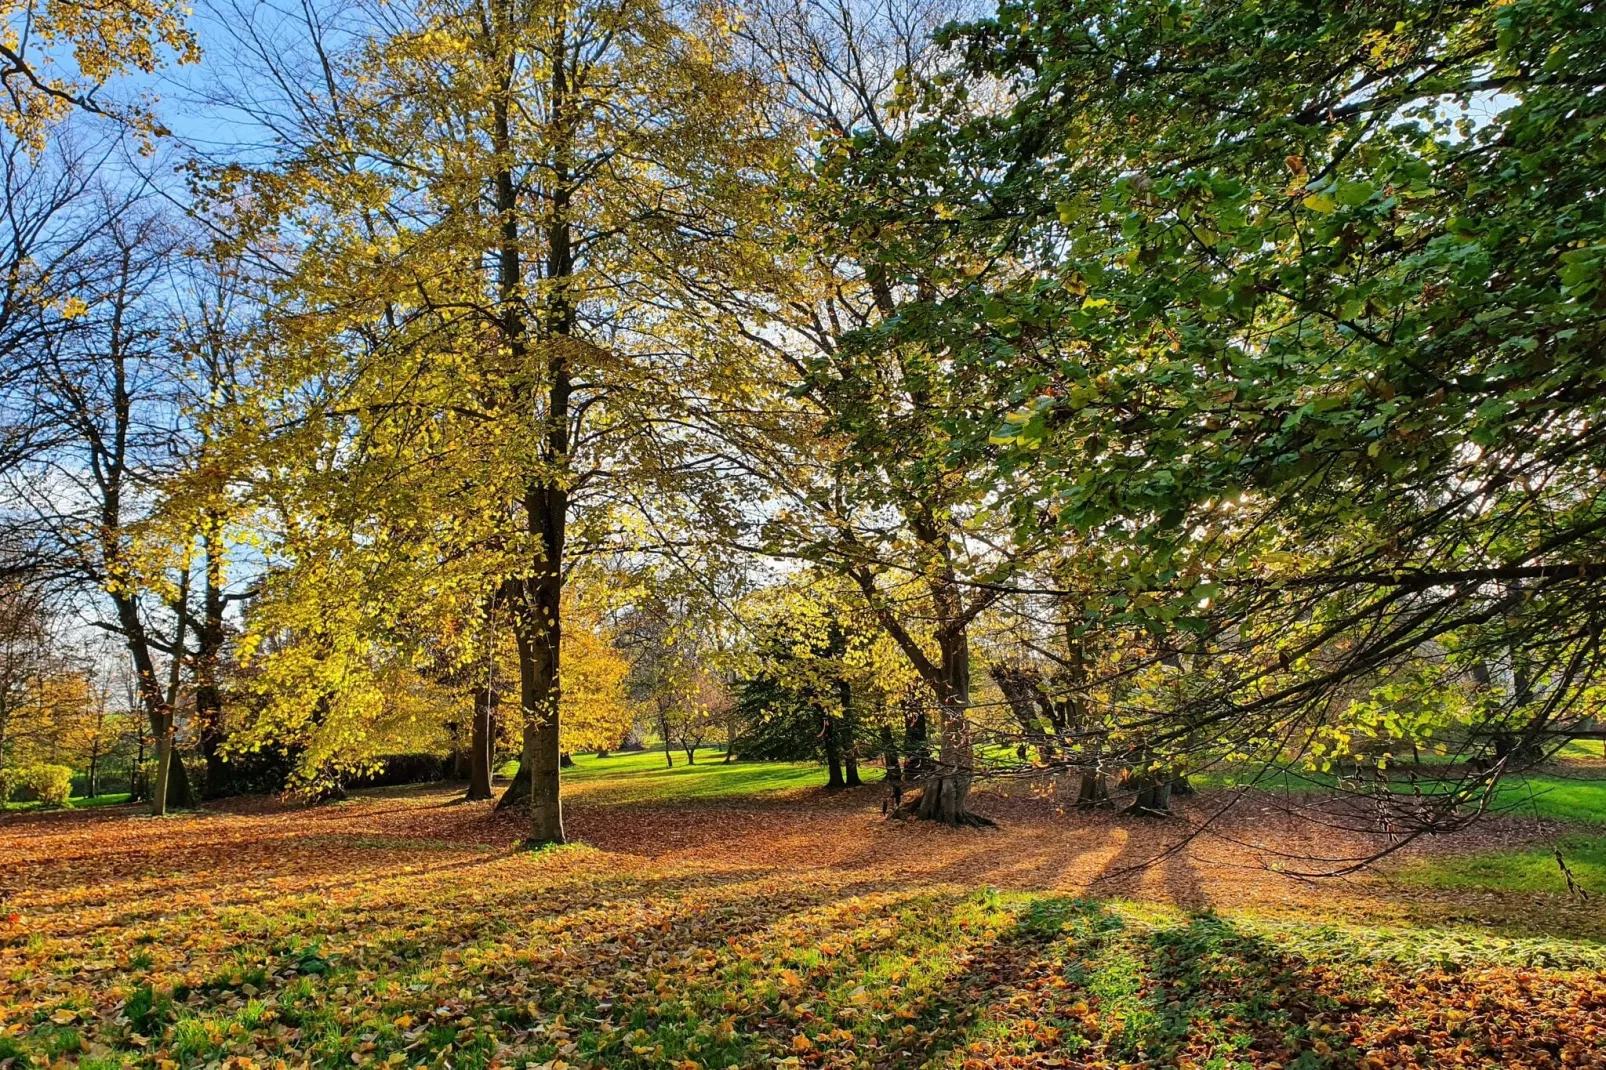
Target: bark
{"x":1022,"y":689}
{"x":916,"y":745}
{"x":208,"y":654}
{"x":479,"y":747}
{"x":1153,"y":789}
{"x":833,"y":751}
{"x":538,"y":595}
{"x":518,"y":790}
{"x":848,"y":735}
{"x":538,"y":694}
{"x":1094,"y":791}
{"x":889,"y":755}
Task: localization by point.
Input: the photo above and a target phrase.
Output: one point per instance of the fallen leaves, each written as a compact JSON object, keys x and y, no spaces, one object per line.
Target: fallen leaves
{"x":405,"y":931}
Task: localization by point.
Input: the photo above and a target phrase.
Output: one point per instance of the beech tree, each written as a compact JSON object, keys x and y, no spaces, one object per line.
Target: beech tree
{"x":1296,"y":320}
{"x":498,"y":206}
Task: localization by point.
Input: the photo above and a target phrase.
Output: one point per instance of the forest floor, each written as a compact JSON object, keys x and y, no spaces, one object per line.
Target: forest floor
{"x":777,"y":925}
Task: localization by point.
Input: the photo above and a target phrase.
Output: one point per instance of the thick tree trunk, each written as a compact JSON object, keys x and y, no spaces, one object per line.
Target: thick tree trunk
{"x":916,"y":745}
{"x":164,"y":769}
{"x":948,"y":787}
{"x":538,"y":693}
{"x":1093,"y":793}
{"x":518,"y":790}
{"x":1023,"y":692}
{"x":479,"y":747}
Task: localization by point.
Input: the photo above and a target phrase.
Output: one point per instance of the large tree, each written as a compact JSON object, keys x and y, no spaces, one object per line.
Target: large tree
{"x":1302,"y":325}
{"x":498,"y":204}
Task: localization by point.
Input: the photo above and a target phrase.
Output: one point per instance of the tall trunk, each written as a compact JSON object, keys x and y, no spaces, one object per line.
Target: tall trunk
{"x":833,"y":750}
{"x":538,"y":626}
{"x":916,"y":739}
{"x":170,"y":787}
{"x":479,"y":746}
{"x":538,"y":695}
{"x":948,"y":788}
{"x":208,"y":652}
{"x":889,"y":755}
{"x":1023,"y":692}
{"x":847,"y":736}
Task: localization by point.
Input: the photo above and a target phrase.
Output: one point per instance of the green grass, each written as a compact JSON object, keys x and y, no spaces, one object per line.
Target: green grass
{"x":1551,"y":796}
{"x":81,"y":802}
{"x":1529,"y":869}
{"x":643,"y":776}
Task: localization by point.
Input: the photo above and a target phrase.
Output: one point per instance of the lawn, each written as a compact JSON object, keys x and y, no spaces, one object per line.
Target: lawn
{"x":734,"y":915}
{"x":77,"y":802}
{"x":1552,"y":796}
{"x":642,"y":776}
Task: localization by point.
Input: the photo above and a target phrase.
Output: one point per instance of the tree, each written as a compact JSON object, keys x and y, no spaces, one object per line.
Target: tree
{"x":56,"y":56}
{"x":1295,"y":315}
{"x":597,"y":152}
{"x":104,"y":384}
{"x":860,"y":468}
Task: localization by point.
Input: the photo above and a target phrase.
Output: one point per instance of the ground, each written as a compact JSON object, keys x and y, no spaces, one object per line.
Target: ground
{"x":730,"y":915}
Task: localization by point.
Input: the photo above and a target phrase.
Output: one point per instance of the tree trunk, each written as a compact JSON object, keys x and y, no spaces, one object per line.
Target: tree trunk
{"x":164,"y":769}
{"x":538,"y":693}
{"x":669,"y":755}
{"x":916,"y":747}
{"x":208,"y":653}
{"x":833,"y":751}
{"x":847,"y":736}
{"x":948,"y":787}
{"x":889,"y":756}
{"x":1094,"y":791}
{"x":479,"y":747}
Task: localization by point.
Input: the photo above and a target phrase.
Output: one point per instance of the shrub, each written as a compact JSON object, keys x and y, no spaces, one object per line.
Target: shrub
{"x":8,"y":783}
{"x":50,"y":784}
{"x":393,"y":769}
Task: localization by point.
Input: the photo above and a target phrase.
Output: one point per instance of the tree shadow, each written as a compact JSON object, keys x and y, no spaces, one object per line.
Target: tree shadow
{"x":1080,"y":983}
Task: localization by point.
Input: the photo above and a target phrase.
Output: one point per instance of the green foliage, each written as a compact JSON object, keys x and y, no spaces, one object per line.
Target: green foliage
{"x":51,"y":785}
{"x":1308,"y":375}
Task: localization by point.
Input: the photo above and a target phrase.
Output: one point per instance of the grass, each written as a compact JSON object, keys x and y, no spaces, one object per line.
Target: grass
{"x":798,"y":936}
{"x":635,"y":777}
{"x":79,"y":802}
{"x":1548,"y":796}
{"x":1531,"y":869}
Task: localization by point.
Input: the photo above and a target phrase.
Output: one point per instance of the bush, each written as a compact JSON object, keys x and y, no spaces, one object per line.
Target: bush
{"x":395,"y":769}
{"x":8,"y":783}
{"x":50,"y":784}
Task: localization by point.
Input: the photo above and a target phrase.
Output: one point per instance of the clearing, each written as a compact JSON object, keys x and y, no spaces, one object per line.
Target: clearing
{"x":723,"y":915}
